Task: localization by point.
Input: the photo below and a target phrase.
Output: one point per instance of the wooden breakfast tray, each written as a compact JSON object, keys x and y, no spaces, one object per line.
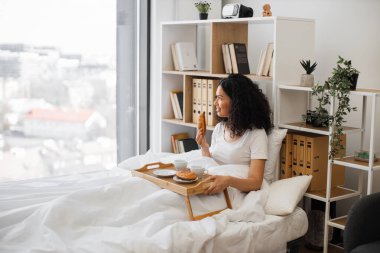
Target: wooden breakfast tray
{"x":185,"y":190}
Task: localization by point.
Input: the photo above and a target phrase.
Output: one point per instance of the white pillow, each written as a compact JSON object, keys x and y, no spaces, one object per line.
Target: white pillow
{"x":274,"y":146}
{"x":285,"y":194}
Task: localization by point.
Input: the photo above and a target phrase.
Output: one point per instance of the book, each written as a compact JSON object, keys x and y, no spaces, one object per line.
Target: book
{"x":241,"y":58}
{"x":260,"y":65}
{"x":233,"y":58}
{"x":194,"y":96}
{"x":180,"y":147}
{"x":204,"y":96}
{"x":175,"y":138}
{"x":211,"y":93}
{"x":174,"y":106}
{"x":179,"y":99}
{"x":270,"y":73}
{"x":188,"y":144}
{"x":295,"y":169}
{"x":225,"y":59}
{"x":286,"y":156}
{"x":268,"y":59}
{"x":228,"y":64}
{"x":199,"y":99}
{"x":186,"y":56}
{"x":301,"y":150}
{"x":174,"y":56}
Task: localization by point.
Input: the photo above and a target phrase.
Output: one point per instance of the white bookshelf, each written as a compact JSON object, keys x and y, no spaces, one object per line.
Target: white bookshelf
{"x":293,"y":40}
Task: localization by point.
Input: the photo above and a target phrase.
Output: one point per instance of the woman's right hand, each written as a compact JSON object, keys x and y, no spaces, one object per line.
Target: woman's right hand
{"x":201,"y":139}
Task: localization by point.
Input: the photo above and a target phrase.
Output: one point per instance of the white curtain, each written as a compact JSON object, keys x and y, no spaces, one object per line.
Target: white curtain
{"x":132,"y":77}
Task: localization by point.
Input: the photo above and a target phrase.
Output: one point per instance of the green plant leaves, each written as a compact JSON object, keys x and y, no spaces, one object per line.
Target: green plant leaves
{"x":338,"y":86}
{"x":308,"y":67}
{"x":203,"y":6}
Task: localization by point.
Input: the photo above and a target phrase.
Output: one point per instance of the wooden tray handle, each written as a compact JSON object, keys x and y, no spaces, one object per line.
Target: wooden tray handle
{"x":156,"y":165}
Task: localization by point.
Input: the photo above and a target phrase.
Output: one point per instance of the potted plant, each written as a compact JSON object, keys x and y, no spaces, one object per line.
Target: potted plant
{"x":317,"y":118}
{"x":308,"y":78}
{"x":337,"y":87}
{"x":203,"y":7}
{"x":345,"y":70}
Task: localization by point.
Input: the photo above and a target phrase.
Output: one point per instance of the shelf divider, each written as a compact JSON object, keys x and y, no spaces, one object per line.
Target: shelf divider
{"x":339,"y":222}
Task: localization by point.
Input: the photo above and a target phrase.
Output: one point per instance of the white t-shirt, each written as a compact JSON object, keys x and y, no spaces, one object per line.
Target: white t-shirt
{"x":253,"y":144}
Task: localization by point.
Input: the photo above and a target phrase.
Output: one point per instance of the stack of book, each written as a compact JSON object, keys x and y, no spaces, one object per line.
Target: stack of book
{"x":204,"y":91}
{"x":176,"y":97}
{"x":265,"y":66}
{"x":182,"y":143}
{"x":235,"y":58}
{"x":184,"y":57}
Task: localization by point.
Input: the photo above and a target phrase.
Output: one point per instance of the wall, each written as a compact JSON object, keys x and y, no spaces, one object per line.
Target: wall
{"x":348,"y":28}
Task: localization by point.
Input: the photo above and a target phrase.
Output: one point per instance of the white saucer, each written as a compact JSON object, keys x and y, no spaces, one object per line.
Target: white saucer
{"x":178,"y":180}
{"x":164,"y":173}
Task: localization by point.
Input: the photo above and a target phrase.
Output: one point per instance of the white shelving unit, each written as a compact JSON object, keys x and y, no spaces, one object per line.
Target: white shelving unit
{"x":293,"y":40}
{"x":349,"y":161}
{"x":291,"y":105}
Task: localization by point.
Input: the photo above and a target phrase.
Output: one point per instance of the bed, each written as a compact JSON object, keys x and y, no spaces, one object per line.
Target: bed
{"x":111,"y":211}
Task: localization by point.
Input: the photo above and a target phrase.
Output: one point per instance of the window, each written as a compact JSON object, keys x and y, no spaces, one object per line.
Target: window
{"x":57,"y":87}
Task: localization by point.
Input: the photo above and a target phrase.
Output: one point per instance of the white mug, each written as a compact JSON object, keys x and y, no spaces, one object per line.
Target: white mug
{"x":198,"y":169}
{"x":180,"y":164}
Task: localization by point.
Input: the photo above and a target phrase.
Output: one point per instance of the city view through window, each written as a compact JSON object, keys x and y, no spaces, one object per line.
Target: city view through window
{"x":57,"y":87}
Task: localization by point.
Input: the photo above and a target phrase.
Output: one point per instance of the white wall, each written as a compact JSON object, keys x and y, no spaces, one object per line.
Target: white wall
{"x":349,"y":28}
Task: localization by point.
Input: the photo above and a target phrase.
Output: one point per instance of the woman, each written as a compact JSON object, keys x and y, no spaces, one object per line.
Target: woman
{"x":241,"y":135}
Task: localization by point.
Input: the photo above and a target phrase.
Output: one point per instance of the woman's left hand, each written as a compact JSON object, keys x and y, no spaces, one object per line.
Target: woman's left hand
{"x":218,"y":184}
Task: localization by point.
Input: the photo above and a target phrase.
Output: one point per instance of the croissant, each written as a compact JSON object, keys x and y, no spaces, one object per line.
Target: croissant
{"x":202,"y":123}
{"x":186,"y":175}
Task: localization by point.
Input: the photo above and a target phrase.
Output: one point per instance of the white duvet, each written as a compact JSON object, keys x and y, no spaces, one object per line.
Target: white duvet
{"x":111,"y":211}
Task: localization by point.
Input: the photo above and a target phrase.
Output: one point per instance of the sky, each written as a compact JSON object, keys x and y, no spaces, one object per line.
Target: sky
{"x":75,"y":26}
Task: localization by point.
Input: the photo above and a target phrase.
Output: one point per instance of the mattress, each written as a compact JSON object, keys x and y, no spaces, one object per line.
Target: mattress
{"x":19,"y":200}
{"x":296,"y":223}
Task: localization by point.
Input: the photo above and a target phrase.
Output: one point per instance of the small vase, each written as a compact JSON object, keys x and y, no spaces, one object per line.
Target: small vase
{"x":203,"y":16}
{"x":309,"y":117}
{"x":354,"y":81}
{"x":307,"y":80}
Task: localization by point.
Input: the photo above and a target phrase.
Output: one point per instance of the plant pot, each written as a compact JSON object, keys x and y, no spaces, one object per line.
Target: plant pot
{"x":315,"y":122}
{"x":307,"y":80}
{"x":309,"y":117}
{"x":318,"y":120}
{"x":354,"y":81}
{"x":203,"y":16}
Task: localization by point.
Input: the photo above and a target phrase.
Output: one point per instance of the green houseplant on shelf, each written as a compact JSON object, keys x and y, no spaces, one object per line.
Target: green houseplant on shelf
{"x":337,"y":87}
{"x":203,"y":8}
{"x":308,"y":78}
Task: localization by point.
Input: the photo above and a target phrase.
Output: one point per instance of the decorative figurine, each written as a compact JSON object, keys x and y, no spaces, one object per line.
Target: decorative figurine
{"x":266,"y":12}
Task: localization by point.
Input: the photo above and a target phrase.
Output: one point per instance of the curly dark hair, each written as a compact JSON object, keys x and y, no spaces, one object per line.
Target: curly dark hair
{"x":249,"y":106}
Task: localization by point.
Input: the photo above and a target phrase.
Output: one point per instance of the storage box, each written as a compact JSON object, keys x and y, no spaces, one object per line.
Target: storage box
{"x":286,"y":157}
{"x":310,"y":157}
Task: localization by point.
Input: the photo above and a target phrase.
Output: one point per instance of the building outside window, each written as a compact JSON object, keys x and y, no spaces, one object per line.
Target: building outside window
{"x":57,"y":87}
